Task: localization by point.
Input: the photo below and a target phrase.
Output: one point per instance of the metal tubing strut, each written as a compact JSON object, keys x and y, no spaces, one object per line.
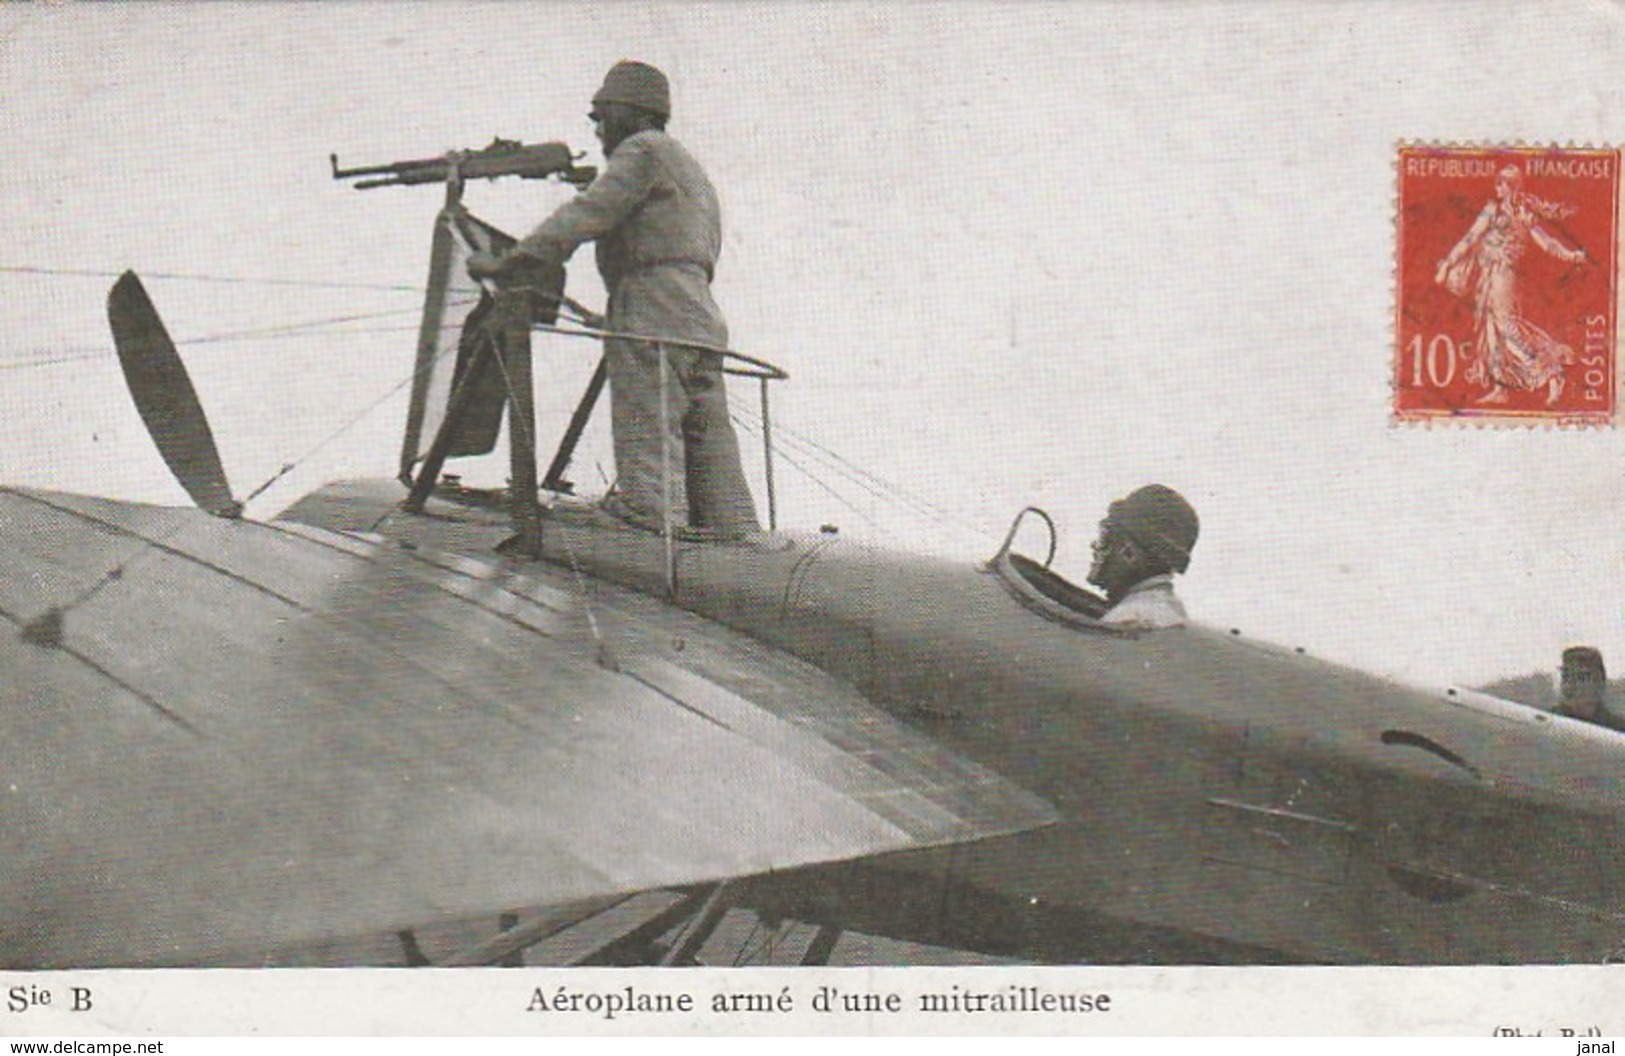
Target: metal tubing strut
{"x":665,"y":474}
{"x":462,"y":395}
{"x":767,"y":457}
{"x":554,"y":480}
{"x":515,"y":308}
{"x":688,"y":945}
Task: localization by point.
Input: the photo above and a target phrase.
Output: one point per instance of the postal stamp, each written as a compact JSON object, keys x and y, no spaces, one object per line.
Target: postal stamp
{"x":1507,"y":284}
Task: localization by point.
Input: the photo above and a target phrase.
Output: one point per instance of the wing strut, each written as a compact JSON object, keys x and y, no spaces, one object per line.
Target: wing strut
{"x":692,"y":940}
{"x":554,"y":480}
{"x":504,"y":344}
{"x":506,"y":348}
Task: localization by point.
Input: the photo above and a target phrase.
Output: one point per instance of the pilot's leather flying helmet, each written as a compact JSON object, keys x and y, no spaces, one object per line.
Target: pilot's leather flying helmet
{"x":1159,"y":519}
{"x":636,"y":84}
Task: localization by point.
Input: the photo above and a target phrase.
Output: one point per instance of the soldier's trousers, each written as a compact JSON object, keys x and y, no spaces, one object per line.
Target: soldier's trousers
{"x":707,"y":487}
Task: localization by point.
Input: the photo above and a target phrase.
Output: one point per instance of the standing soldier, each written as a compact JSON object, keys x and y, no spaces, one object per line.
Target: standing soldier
{"x":658,"y":227}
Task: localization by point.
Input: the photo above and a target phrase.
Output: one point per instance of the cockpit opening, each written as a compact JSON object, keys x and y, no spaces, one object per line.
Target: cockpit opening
{"x":1057,"y":588}
{"x":1039,"y":587}
{"x":1143,"y":542}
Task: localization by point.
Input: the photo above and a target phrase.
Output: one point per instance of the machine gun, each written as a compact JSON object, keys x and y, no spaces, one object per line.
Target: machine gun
{"x":504,"y":157}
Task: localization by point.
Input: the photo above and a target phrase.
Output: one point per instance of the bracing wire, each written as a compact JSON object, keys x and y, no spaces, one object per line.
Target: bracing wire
{"x":871,"y":485}
{"x":356,"y":419}
{"x":809,"y":450}
{"x":57,"y":613}
{"x":68,"y":355}
{"x":873,"y":482}
{"x":601,"y":644}
{"x":877,"y":487}
{"x":302,"y":328}
{"x":321,"y":284}
{"x":811,"y":476}
{"x":118,"y":571}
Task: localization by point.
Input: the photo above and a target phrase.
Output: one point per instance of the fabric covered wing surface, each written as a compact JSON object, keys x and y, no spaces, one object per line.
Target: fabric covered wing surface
{"x":242,"y":737}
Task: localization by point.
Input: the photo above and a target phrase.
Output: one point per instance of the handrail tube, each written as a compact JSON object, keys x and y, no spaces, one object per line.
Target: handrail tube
{"x":765,"y":369}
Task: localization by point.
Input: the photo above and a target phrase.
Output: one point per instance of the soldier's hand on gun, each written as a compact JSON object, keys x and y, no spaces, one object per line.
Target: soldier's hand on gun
{"x":482,"y":266}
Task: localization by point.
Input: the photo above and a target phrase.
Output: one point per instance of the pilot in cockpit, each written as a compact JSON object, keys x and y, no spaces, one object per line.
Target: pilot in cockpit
{"x":1144,"y":541}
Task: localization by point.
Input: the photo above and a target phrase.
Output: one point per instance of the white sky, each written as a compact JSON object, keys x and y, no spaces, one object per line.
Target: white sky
{"x":1014,"y":254}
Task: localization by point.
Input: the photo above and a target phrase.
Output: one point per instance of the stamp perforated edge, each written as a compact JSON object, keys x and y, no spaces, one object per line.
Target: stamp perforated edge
{"x":1496,"y":419}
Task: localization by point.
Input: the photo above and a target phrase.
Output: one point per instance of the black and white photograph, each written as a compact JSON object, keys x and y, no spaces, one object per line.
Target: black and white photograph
{"x":966,"y":488}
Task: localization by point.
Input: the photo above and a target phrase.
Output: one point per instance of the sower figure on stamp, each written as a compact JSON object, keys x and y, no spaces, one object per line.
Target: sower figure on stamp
{"x":1509,"y":351}
{"x":1145,"y":539}
{"x":657,"y":224}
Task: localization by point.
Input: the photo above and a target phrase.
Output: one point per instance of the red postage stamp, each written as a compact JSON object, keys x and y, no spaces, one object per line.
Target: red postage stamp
{"x":1507,"y":284}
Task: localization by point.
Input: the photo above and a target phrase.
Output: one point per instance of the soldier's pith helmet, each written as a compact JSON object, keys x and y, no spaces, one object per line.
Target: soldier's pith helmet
{"x":1159,"y":519}
{"x":636,"y":84}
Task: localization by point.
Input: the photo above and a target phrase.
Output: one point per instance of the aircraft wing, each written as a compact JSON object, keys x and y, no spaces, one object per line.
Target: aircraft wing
{"x":224,"y":738}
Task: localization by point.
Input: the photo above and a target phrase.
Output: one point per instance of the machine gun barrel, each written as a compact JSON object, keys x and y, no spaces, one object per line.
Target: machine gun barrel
{"x":504,"y":157}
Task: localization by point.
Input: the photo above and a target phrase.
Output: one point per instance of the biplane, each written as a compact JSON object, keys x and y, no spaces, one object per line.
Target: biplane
{"x":403,"y":705}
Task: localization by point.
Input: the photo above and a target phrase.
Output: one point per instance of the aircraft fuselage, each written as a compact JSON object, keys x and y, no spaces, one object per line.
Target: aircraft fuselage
{"x":1207,"y":782}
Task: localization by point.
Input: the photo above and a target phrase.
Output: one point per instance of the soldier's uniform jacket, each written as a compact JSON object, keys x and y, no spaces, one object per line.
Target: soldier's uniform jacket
{"x":658,"y":227}
{"x":1150,"y":605}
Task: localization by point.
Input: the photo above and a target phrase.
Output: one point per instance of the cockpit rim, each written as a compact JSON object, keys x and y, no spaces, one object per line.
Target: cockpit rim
{"x":1046,"y":592}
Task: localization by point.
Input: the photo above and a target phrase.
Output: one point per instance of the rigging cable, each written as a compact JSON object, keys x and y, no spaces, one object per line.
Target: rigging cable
{"x":876,"y":486}
{"x":356,"y":419}
{"x":873,"y":485}
{"x":605,"y":657}
{"x":323,"y":284}
{"x":46,"y":629}
{"x":298,"y":329}
{"x":810,"y":475}
{"x":302,"y":327}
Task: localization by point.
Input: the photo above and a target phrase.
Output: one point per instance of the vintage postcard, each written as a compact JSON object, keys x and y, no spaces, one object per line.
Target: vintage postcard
{"x":659,"y":518}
